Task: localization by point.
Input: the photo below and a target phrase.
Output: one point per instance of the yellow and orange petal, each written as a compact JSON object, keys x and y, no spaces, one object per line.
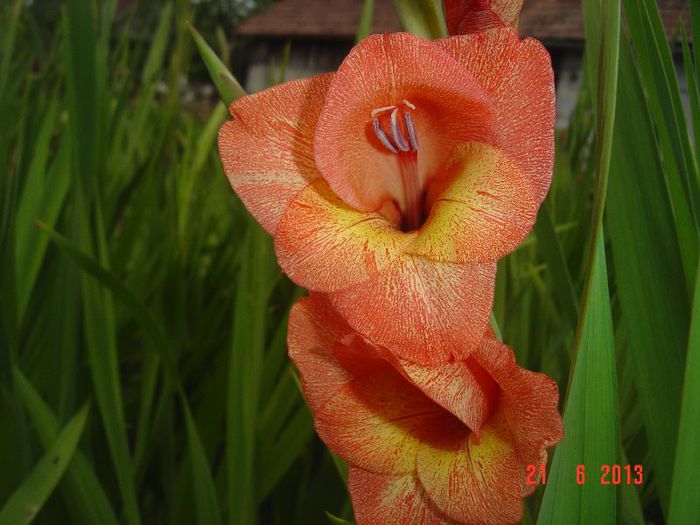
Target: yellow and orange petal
{"x":424,"y":311}
{"x":381,"y":499}
{"x":451,"y":108}
{"x":362,"y":408}
{"x":484,"y":212}
{"x":517,"y":75}
{"x":325,"y":245}
{"x":528,"y":404}
{"x":402,"y":428}
{"x":267,"y":146}
{"x":473,"y":481}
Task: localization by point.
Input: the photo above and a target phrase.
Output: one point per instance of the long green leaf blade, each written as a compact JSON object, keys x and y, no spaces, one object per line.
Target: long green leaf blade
{"x":26,"y":502}
{"x":685,"y":496}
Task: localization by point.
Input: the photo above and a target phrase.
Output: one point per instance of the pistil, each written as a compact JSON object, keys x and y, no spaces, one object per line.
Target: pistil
{"x":412,"y":192}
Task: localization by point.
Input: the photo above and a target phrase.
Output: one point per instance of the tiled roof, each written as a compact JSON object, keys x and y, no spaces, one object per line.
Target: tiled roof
{"x":337,"y":19}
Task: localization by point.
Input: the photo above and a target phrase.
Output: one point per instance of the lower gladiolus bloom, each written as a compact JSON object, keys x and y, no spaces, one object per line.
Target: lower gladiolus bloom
{"x":472,"y":16}
{"x":426,"y":445}
{"x":395,"y":184}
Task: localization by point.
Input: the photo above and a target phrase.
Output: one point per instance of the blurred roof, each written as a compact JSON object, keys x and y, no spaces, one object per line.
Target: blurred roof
{"x":548,"y":20}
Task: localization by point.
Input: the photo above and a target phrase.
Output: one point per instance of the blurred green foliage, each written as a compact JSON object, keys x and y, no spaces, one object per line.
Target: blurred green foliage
{"x":132,"y":278}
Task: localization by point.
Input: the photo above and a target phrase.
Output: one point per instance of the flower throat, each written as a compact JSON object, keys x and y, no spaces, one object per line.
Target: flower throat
{"x":393,"y":126}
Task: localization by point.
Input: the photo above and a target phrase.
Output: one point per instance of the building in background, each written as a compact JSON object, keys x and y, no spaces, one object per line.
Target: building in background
{"x":321,"y":33}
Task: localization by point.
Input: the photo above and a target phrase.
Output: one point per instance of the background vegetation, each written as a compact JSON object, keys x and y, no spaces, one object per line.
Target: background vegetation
{"x":143,"y":369}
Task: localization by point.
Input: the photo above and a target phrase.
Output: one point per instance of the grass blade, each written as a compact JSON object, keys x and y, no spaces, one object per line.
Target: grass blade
{"x":422,"y":17}
{"x":648,"y":269}
{"x":246,"y":354}
{"x":81,"y":483}
{"x":364,"y":28}
{"x":591,"y":418}
{"x":204,"y":490}
{"x":226,"y":84}
{"x":685,"y":497}
{"x":27,"y":500}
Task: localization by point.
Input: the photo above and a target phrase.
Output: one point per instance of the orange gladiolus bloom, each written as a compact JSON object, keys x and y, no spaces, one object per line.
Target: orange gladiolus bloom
{"x":396,"y":183}
{"x":426,"y":445}
{"x":472,"y":16}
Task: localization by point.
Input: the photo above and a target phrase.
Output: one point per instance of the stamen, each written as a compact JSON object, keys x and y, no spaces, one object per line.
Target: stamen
{"x":400,"y":140}
{"x":411,"y":130}
{"x":379,"y":132}
{"x":408,"y":104}
{"x":379,"y":111}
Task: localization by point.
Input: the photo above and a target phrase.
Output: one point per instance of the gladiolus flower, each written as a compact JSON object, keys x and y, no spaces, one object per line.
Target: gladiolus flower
{"x":396,"y":183}
{"x":426,"y":445}
{"x":472,"y":16}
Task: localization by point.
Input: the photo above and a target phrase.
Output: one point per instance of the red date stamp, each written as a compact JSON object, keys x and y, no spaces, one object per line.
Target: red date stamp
{"x":606,"y":475}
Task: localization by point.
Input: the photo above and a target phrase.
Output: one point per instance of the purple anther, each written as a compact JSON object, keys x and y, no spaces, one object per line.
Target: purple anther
{"x":411,"y":131}
{"x":379,"y":132}
{"x":400,"y":140}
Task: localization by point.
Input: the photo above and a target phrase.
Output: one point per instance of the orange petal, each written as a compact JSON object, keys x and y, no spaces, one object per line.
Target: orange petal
{"x":267,"y":146}
{"x":325,"y":245}
{"x":473,"y":482}
{"x":527,"y":405}
{"x":381,"y":71}
{"x":463,"y":388}
{"x":484,"y":213}
{"x":517,"y":75}
{"x":311,"y":333}
{"x":423,"y":311}
{"x":364,"y":410}
{"x":381,"y":499}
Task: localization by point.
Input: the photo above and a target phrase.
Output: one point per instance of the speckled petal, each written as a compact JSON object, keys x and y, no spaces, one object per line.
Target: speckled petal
{"x":528,"y":405}
{"x":364,"y":409}
{"x":486,"y":210}
{"x":424,"y":311}
{"x":267,"y":146}
{"x":463,"y":388}
{"x":518,"y":77}
{"x":381,"y":499}
{"x":473,"y":482}
{"x":324,"y":245}
{"x":382,"y":71}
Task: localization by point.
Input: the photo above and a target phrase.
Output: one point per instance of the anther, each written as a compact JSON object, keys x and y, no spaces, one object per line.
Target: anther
{"x":379,"y":132}
{"x":399,"y":139}
{"x":411,"y":130}
{"x":379,"y":111}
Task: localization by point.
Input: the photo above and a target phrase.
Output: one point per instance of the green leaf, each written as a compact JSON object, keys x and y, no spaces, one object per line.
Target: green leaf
{"x":143,"y":315}
{"x":246,"y":354}
{"x":422,"y":17}
{"x":26,"y":502}
{"x":81,"y":484}
{"x":591,"y":419}
{"x":364,"y":28}
{"x":549,"y":245}
{"x":226,"y":84}
{"x":657,"y":74}
{"x":288,"y":446}
{"x":649,"y":271}
{"x":205,"y":497}
{"x":334,"y":520}
{"x":43,"y":197}
{"x":685,"y":496}
{"x":159,"y":45}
